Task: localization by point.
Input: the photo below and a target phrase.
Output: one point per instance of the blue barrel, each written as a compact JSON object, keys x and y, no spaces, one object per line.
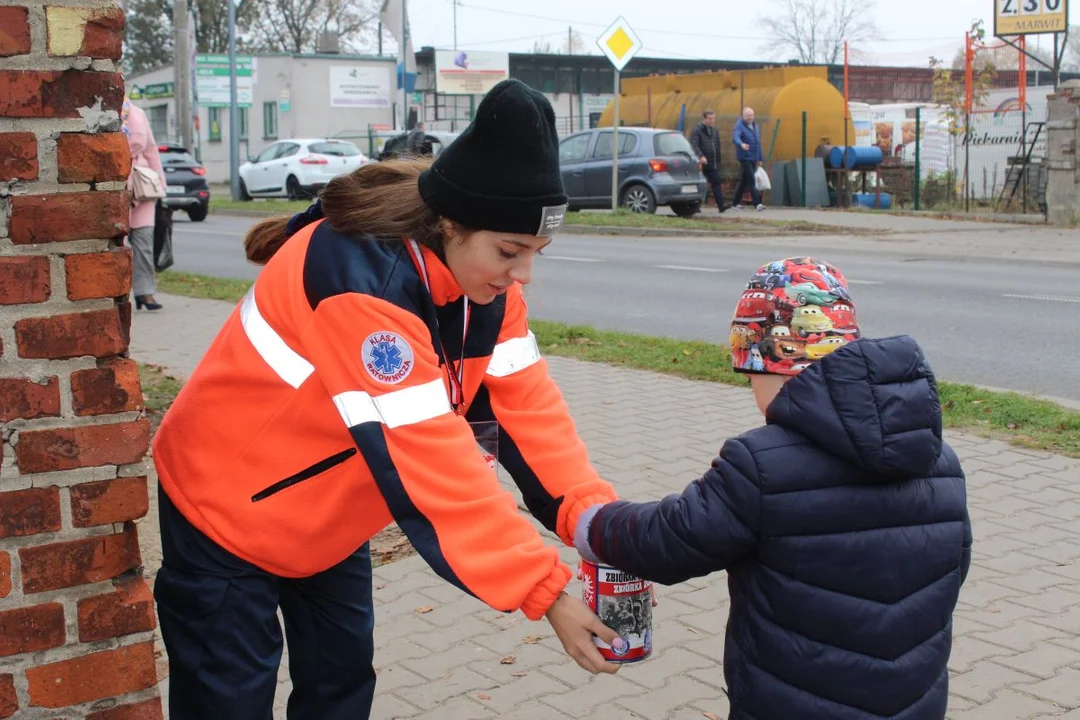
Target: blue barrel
{"x":856,"y":158}
{"x":868,"y":199}
{"x":836,"y":157}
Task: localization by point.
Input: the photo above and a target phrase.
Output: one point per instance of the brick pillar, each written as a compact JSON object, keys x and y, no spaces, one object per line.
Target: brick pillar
{"x":1062,"y":164}
{"x":76,"y":617}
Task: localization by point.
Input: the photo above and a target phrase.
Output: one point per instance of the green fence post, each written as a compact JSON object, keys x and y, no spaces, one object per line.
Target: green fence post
{"x":918,"y":150}
{"x":803,"y":159}
{"x":772,"y":143}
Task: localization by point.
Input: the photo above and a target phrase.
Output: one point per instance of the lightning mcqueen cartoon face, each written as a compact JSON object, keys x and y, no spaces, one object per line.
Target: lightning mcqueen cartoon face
{"x":843,"y":317}
{"x":753,"y":307}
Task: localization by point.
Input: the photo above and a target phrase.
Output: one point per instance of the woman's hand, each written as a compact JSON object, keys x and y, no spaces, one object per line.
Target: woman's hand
{"x":575,"y":624}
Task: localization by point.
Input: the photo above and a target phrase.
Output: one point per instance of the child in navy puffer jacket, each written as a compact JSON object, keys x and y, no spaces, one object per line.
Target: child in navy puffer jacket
{"x":842,"y":523}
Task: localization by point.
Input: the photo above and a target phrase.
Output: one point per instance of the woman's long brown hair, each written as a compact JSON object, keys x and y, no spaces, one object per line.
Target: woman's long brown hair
{"x":380,"y":199}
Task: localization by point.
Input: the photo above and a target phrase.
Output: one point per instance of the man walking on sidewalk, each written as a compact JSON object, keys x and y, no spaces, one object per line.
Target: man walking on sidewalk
{"x":706,"y":143}
{"x":747,"y":139}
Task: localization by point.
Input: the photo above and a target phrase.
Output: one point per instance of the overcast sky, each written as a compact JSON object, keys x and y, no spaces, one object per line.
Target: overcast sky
{"x":707,"y":29}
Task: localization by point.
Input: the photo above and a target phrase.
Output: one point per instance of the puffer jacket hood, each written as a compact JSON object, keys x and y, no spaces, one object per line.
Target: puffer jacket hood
{"x":873,"y":403}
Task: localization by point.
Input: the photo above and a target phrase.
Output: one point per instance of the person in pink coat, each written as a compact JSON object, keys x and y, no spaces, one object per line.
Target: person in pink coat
{"x":144,"y":152}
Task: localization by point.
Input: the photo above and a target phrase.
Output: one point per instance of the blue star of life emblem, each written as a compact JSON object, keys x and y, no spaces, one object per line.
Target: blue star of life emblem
{"x":386,"y":358}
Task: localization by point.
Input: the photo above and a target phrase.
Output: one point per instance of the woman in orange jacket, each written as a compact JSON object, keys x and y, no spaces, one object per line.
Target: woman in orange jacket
{"x":386,"y":333}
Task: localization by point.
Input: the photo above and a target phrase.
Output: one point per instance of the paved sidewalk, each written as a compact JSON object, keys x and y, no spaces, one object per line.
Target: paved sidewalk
{"x":1017,"y":649}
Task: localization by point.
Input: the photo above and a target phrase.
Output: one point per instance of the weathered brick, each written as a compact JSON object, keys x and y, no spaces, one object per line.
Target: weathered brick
{"x":87,"y":446}
{"x":79,"y":562}
{"x":146,"y":710}
{"x":112,"y":387}
{"x":29,"y":512}
{"x":84,"y":158}
{"x":68,"y":216}
{"x":93,"y":677}
{"x":24,"y":280}
{"x":98,"y":275}
{"x":109,"y":501}
{"x":97,"y":333}
{"x":84,"y":31}
{"x":9,"y":701}
{"x":18,"y":150}
{"x":5,"y":575}
{"x":128,"y":610}
{"x":26,"y":399}
{"x":31,"y":629}
{"x":14,"y":36}
{"x":58,"y":94}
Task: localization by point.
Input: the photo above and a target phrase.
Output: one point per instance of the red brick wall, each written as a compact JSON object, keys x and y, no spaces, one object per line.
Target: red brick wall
{"x":76,"y":616}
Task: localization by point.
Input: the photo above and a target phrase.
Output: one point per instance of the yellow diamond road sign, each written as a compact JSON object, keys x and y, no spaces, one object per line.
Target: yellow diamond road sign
{"x":620,"y":43}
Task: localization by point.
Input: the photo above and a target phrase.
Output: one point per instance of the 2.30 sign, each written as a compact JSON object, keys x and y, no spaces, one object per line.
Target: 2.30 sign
{"x":1030,"y":17}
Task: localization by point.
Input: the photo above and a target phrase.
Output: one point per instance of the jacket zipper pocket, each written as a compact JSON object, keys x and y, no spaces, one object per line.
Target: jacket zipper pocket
{"x":306,"y":474}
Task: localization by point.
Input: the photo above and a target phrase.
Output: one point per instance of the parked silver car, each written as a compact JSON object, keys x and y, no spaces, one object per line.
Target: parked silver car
{"x":656,"y":167}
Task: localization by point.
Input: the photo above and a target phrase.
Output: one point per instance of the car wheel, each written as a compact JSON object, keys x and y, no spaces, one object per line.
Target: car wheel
{"x":293,"y":189}
{"x":686,"y":210}
{"x":197,"y":213}
{"x":244,"y":196}
{"x":638,"y":199}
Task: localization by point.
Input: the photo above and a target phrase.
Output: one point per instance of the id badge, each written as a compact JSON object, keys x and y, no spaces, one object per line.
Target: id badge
{"x":487,"y":440}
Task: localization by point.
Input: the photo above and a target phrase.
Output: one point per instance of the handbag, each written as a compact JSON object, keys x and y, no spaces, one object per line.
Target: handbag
{"x":145,"y":184}
{"x":163,"y":227}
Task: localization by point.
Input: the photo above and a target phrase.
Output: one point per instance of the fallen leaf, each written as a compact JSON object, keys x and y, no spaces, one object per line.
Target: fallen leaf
{"x":532,"y":639}
{"x":483,"y":696}
{"x":687,"y":353}
{"x":711,"y":716}
{"x":518,"y":674}
{"x":508,"y":660}
{"x":424,"y":610}
{"x":380,"y":587}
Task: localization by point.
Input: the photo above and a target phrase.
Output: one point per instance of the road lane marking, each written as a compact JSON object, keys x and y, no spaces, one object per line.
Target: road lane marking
{"x":691,"y":269}
{"x":866,"y":282}
{"x":569,"y":258}
{"x":1045,"y":298}
{"x":197,"y":231}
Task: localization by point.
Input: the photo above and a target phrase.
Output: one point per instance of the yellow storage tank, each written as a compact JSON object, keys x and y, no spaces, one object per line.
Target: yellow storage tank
{"x":776,"y":94}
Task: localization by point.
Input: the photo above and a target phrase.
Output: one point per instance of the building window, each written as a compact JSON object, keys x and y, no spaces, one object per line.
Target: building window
{"x":159,"y":122}
{"x":270,"y":120}
{"x":214,"y":123}
{"x":243,"y":123}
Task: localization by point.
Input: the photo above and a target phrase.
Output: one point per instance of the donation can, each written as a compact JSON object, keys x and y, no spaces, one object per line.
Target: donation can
{"x":623,"y":602}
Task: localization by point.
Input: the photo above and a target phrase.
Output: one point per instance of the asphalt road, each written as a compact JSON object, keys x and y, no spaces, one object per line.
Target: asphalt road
{"x":986,"y":322}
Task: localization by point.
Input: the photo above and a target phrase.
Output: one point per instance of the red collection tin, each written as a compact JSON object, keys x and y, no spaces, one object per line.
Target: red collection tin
{"x":623,"y":602}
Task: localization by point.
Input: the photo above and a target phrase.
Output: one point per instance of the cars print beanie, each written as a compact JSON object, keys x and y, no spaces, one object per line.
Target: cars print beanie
{"x":502,"y":173}
{"x":793,"y":312}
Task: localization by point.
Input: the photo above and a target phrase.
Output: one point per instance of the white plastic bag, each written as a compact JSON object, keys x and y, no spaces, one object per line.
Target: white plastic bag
{"x":762,"y":179}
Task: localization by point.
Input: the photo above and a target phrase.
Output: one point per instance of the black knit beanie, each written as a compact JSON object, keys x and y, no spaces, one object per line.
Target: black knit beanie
{"x":502,"y":172}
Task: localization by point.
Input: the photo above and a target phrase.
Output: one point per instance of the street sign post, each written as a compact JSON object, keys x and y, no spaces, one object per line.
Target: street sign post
{"x":620,"y":44}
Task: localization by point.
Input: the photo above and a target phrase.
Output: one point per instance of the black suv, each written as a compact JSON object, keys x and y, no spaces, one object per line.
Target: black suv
{"x":185,"y":182}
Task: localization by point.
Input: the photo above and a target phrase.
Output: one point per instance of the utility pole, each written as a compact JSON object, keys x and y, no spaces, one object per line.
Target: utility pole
{"x":455,"y":4}
{"x":404,"y":66}
{"x":182,"y":72}
{"x":234,"y":109}
{"x":570,"y":40}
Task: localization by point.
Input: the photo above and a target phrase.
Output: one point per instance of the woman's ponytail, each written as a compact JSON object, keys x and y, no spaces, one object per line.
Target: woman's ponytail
{"x":266,"y":238}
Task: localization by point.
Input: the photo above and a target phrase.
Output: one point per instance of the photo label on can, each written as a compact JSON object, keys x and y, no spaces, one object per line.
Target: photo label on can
{"x":623,"y":602}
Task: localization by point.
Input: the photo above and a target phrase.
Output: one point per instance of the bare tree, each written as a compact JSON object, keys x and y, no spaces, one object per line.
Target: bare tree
{"x":543,"y":47}
{"x":1072,"y":50}
{"x":574,"y":44}
{"x":295,"y":25}
{"x":814,"y":31}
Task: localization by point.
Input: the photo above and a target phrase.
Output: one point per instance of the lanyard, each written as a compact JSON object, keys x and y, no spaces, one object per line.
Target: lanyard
{"x":456,"y":376}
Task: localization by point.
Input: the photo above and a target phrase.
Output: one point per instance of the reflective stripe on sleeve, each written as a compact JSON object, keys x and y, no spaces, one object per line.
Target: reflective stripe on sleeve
{"x":514,"y":355}
{"x":283,"y":360}
{"x":395,"y":409}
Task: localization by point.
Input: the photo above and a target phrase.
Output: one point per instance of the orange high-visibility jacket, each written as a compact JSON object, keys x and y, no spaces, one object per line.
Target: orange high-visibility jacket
{"x":321,"y":412}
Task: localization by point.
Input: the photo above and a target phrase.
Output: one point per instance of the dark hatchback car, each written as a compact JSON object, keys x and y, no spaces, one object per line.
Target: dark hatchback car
{"x":185,"y":182}
{"x":434,"y":143}
{"x":656,"y":167}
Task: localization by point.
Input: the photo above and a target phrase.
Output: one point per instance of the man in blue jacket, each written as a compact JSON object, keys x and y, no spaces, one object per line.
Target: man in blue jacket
{"x":747,"y":138}
{"x":842,"y":523}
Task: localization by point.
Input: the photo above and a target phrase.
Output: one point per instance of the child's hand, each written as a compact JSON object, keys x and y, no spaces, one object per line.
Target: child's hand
{"x":652,"y":592}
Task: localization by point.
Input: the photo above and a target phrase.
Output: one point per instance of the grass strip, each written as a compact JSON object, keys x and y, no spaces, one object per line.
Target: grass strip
{"x":1016,"y":418}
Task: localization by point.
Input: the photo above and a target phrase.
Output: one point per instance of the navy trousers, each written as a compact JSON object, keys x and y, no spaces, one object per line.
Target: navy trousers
{"x":712,"y":175}
{"x":219,"y":621}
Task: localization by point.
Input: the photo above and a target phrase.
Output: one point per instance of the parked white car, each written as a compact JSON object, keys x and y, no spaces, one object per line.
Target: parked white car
{"x":298,"y":168}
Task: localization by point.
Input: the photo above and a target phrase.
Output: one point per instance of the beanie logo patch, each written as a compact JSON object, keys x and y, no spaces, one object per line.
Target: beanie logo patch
{"x":388,"y":357}
{"x":551,"y":220}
